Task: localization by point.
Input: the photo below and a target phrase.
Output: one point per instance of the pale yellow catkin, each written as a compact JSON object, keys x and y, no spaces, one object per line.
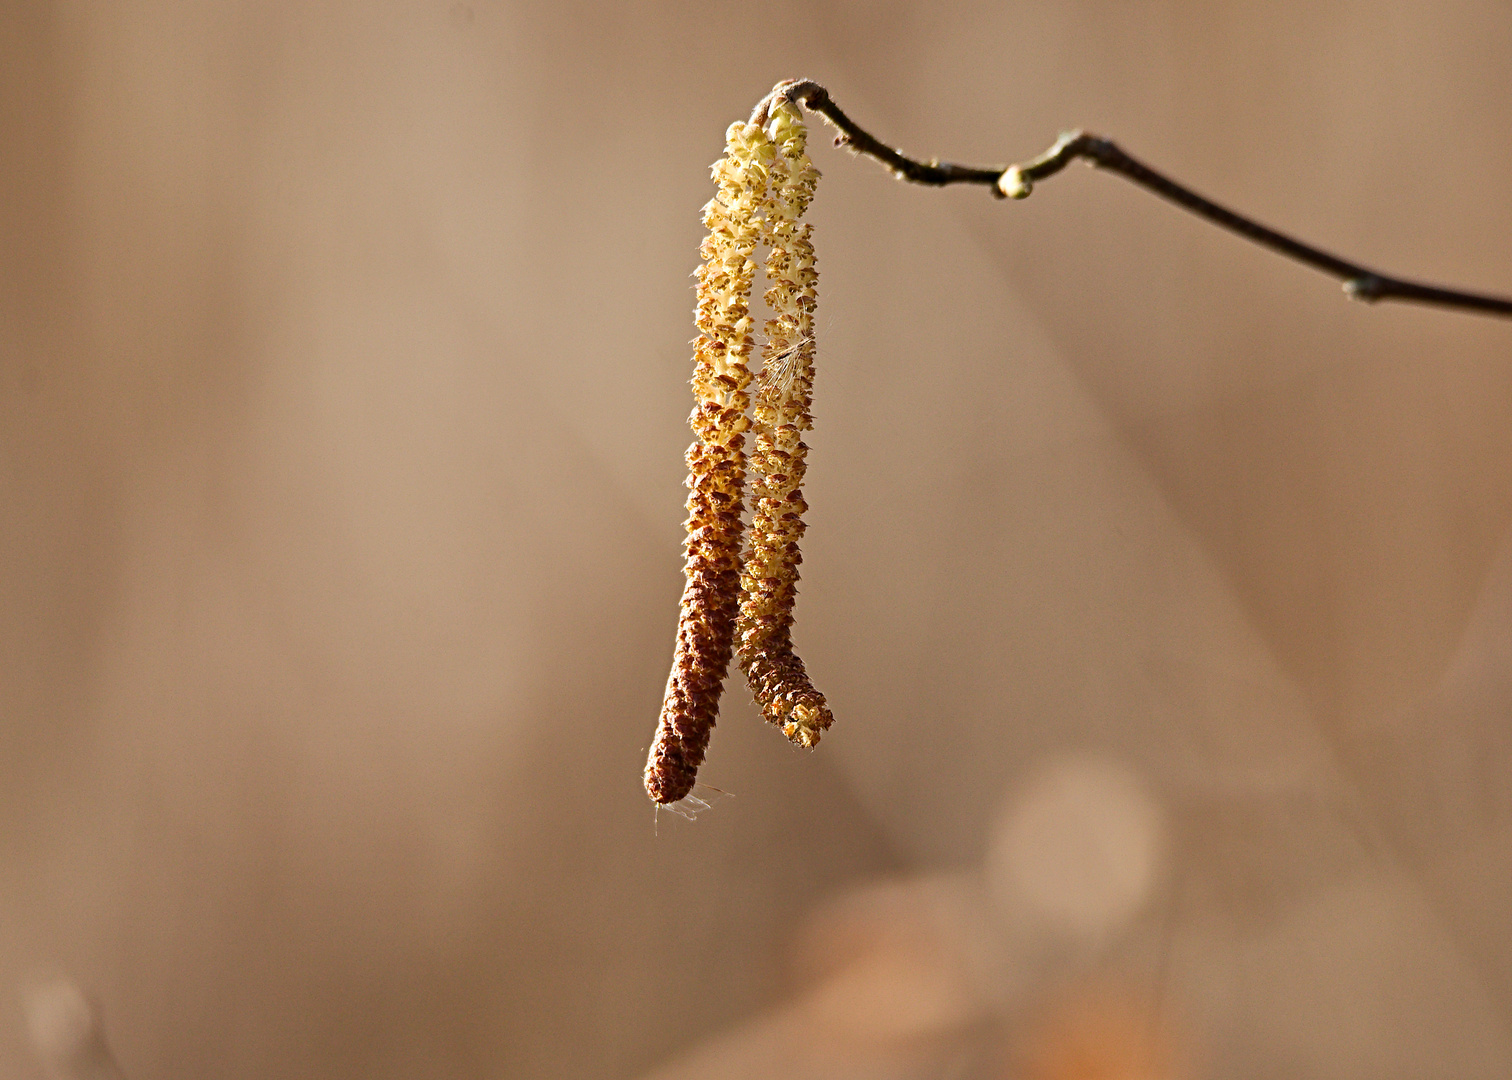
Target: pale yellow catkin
{"x":781,"y":413}
{"x":716,"y":464}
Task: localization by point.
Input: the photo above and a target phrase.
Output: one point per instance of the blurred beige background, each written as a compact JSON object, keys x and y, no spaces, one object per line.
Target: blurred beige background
{"x":1162,"y":596}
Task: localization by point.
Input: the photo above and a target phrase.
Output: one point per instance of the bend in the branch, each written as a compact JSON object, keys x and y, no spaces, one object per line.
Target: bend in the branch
{"x":1017,"y":181}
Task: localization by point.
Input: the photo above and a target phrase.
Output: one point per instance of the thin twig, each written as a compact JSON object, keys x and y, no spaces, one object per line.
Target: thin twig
{"x":1017,"y":181}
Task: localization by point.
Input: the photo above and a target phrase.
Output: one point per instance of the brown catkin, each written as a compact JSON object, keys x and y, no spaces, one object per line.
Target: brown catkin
{"x":769,"y":577}
{"x":716,"y":465}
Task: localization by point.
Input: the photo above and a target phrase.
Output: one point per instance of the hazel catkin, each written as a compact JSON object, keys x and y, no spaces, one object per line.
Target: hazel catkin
{"x":781,"y":413}
{"x":735,"y":597}
{"x":716,"y":465}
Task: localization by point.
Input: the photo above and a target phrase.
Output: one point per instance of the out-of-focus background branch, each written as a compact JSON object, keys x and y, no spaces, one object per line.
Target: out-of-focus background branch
{"x":1160,"y":595}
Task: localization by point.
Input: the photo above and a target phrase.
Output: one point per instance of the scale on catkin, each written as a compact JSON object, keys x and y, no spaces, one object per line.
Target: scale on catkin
{"x":740,"y":590}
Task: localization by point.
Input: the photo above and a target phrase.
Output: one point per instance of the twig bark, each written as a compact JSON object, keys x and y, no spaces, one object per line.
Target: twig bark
{"x":1017,"y":181}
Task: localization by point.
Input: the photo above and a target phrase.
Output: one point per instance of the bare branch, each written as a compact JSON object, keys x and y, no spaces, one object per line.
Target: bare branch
{"x":1017,"y":181}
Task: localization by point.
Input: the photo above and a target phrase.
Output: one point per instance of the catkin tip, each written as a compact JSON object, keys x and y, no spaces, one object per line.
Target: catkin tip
{"x":807,"y":725}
